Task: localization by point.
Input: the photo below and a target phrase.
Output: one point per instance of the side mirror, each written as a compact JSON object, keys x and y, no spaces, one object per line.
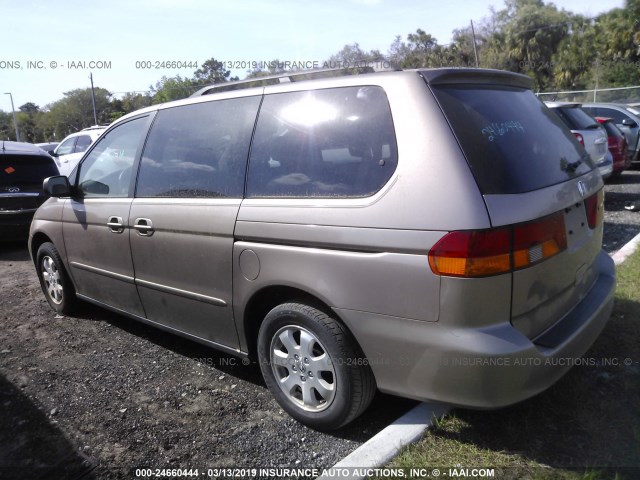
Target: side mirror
{"x":94,"y":187}
{"x":52,"y":153}
{"x":57,"y":186}
{"x":627,"y":122}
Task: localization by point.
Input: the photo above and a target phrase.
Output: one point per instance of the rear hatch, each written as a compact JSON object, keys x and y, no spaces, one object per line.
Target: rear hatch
{"x":21,"y":177}
{"x":542,"y":191}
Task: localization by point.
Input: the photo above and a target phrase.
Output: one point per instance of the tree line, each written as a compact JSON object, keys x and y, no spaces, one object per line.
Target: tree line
{"x":558,"y":49}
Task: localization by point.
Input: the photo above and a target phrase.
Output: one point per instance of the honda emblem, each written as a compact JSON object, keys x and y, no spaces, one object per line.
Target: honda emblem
{"x":582,"y":188}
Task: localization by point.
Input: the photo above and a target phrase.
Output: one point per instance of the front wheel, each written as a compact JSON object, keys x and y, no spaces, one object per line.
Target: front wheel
{"x":313,"y":367}
{"x":55,"y":282}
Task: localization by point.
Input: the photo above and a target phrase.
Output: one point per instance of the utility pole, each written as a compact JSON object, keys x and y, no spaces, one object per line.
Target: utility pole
{"x":15,"y":122}
{"x":475,"y":49}
{"x":93,"y":100}
{"x":595,"y":90}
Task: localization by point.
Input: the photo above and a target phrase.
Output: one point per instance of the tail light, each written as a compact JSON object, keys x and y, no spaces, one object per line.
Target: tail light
{"x":579,"y":138}
{"x":481,"y":253}
{"x":594,"y":206}
{"x":472,"y":253}
{"x":538,"y":240}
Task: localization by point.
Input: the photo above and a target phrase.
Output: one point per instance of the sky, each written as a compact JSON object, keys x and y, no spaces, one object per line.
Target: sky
{"x":48,"y":46}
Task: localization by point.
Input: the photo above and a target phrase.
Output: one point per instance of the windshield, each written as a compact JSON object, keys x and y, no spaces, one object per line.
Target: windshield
{"x":513,"y":143}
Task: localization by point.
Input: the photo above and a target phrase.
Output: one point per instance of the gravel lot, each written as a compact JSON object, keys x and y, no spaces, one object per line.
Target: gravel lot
{"x":102,"y":394}
{"x":621,"y":225}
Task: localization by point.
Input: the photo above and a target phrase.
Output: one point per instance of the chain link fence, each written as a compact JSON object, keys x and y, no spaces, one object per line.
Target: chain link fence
{"x":628,"y":95}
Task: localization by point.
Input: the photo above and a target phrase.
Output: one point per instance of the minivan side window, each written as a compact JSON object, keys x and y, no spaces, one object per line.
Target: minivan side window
{"x":198,"y":150}
{"x":331,"y":143}
{"x":106,"y":171}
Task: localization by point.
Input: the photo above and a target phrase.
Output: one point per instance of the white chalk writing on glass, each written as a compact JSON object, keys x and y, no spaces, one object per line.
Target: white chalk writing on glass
{"x":499,"y":129}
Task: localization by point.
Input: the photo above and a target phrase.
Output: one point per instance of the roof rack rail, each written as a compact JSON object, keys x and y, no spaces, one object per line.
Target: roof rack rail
{"x":296,"y":76}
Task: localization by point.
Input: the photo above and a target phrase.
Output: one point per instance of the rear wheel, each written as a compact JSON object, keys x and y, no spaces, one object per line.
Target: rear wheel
{"x":55,"y":282}
{"x":313,"y":367}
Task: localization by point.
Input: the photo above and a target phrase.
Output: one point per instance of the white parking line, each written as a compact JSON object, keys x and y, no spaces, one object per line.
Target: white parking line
{"x":409,"y":428}
{"x":622,"y":254}
{"x":383,"y":447}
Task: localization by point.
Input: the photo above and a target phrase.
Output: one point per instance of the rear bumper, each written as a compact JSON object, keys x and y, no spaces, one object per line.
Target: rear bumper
{"x":15,"y":226}
{"x":488,"y":367}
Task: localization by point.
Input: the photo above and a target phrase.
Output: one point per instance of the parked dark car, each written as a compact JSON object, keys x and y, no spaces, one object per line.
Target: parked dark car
{"x":618,"y":145}
{"x":23,"y":167}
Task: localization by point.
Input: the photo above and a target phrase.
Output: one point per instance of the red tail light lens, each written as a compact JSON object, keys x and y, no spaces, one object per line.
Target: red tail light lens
{"x":579,"y":138}
{"x":472,"y":253}
{"x":594,"y":206}
{"x":481,"y":253}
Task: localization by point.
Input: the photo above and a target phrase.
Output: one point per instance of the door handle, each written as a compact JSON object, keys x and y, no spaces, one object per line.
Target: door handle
{"x":115,"y":224}
{"x":143,"y":226}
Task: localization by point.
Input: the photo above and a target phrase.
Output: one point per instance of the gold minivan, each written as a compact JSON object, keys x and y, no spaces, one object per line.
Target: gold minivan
{"x":434,"y":234}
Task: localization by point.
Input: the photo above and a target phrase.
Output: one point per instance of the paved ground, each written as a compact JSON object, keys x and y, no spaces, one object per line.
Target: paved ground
{"x":99,"y":389}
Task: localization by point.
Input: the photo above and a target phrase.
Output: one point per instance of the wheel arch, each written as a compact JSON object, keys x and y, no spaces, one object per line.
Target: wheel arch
{"x":265,"y":299}
{"x":36,"y":241}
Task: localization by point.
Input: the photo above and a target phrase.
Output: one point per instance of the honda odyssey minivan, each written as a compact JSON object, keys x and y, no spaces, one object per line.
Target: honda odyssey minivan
{"x":433,"y":234}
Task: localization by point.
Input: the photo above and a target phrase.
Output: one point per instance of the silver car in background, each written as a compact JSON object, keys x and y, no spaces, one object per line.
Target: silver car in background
{"x":626,"y":118}
{"x":433,"y":234}
{"x":588,"y":132}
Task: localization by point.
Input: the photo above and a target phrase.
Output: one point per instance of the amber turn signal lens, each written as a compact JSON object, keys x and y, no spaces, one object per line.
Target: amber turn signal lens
{"x":481,"y":253}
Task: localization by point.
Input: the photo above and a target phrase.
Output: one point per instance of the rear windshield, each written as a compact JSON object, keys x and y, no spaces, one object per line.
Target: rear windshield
{"x":25,"y":169}
{"x":576,"y":118}
{"x":512,"y":141}
{"x":612,"y":130}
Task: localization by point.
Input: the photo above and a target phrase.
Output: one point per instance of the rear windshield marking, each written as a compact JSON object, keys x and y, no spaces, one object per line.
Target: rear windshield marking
{"x":494,"y":129}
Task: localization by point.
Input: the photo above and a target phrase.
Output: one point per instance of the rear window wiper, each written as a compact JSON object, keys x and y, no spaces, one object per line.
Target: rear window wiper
{"x":571,"y":167}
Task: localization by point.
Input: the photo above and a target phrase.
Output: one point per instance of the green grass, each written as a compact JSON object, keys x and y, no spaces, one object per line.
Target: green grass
{"x":587,"y":426}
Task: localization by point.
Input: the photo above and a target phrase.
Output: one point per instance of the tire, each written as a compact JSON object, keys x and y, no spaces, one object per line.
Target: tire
{"x":55,"y":282}
{"x":313,"y":367}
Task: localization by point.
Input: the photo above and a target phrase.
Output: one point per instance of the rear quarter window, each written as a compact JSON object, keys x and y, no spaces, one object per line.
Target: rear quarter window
{"x":84,"y":142}
{"x":512,"y":142}
{"x":329,"y":143}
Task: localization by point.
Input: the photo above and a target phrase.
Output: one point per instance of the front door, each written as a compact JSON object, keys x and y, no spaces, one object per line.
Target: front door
{"x":95,"y":224}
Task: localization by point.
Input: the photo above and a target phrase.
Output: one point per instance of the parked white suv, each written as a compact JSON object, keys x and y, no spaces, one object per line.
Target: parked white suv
{"x":70,"y":151}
